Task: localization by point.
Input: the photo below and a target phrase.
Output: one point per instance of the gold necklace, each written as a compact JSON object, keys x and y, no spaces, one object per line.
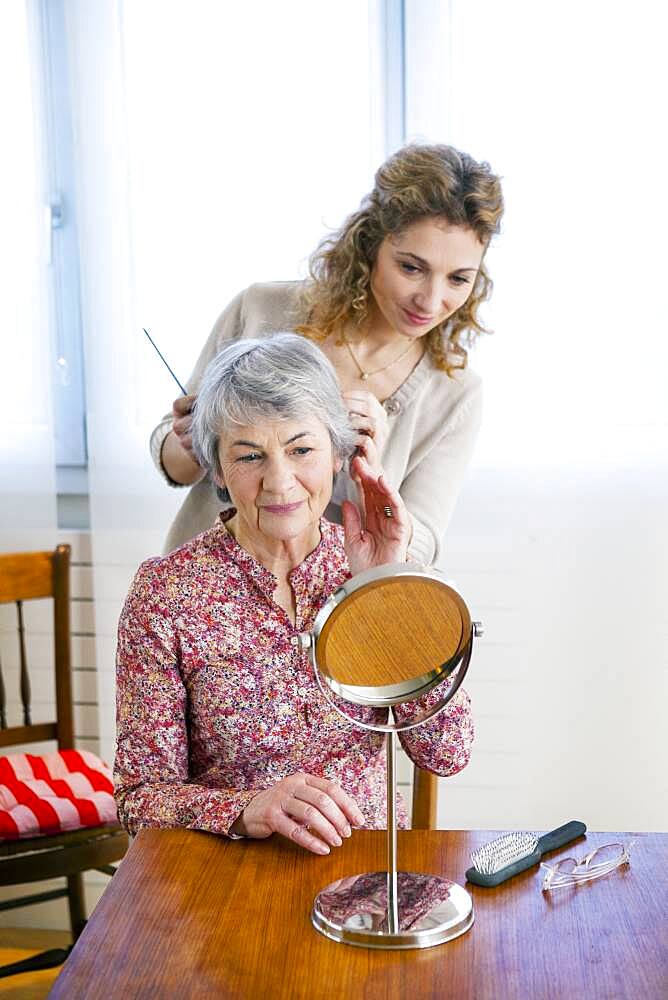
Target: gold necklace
{"x":364,"y":375}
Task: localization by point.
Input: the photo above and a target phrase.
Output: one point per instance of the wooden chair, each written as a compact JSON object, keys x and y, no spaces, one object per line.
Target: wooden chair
{"x":23,"y":577}
{"x":425,"y":799}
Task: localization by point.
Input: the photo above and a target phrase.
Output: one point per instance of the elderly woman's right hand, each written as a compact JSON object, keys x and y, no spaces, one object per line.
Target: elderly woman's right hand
{"x":377,"y":532}
{"x":310,"y":810}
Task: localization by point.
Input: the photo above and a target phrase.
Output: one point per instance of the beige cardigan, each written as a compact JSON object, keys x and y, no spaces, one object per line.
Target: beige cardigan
{"x":433,"y":422}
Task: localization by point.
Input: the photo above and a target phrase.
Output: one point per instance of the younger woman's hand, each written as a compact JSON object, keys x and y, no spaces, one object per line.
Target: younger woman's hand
{"x":369,"y":419}
{"x":379,"y":533}
{"x":312,"y":811}
{"x":182,"y":423}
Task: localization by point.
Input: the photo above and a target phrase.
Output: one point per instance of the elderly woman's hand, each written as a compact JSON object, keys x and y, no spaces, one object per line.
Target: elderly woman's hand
{"x":381,"y":532}
{"x":310,"y":810}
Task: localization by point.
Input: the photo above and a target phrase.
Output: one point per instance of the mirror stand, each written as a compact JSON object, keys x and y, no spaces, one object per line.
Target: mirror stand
{"x":363,"y":651}
{"x":392,"y":910}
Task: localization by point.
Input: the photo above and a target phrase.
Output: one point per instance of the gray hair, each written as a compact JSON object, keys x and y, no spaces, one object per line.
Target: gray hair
{"x":285,"y":377}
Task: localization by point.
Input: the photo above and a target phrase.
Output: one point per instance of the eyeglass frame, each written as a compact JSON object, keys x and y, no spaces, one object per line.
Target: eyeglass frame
{"x":590,"y":873}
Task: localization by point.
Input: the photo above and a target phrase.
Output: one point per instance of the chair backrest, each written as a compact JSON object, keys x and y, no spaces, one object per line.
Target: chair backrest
{"x":425,"y":799}
{"x":27,"y":576}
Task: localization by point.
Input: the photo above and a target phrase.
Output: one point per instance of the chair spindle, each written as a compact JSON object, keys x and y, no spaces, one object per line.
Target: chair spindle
{"x":3,"y":701}
{"x":25,"y":679}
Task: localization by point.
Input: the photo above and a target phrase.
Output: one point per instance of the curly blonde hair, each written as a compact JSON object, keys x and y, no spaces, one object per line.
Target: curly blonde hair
{"x":416,"y":182}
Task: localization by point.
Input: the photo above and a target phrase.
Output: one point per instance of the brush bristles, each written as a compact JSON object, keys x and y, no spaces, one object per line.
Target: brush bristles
{"x":503,"y":851}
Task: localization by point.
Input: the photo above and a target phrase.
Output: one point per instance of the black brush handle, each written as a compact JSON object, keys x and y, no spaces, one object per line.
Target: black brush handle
{"x":489,"y":881}
{"x":562,"y":835}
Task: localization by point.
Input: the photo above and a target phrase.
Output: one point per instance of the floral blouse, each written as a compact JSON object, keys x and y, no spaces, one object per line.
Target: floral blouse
{"x":216,"y":702}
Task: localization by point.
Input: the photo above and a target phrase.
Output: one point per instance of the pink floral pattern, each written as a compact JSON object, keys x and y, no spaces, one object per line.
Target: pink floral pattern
{"x":215,"y":703}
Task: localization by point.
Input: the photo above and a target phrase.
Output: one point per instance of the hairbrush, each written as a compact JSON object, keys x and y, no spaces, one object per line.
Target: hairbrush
{"x":160,"y":355}
{"x":515,"y":852}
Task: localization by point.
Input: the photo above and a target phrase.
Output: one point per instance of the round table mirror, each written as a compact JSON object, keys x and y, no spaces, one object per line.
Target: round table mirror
{"x":388,"y":637}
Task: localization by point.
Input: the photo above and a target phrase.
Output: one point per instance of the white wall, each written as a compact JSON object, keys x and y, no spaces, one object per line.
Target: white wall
{"x":568,"y":569}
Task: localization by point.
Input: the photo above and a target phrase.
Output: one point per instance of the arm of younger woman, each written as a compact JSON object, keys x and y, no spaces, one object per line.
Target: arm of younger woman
{"x":431,"y":487}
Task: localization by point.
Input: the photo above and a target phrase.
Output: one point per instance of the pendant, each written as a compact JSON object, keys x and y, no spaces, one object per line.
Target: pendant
{"x":364,"y":376}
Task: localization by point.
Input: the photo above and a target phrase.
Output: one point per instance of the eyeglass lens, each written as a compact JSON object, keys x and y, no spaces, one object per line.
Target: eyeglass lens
{"x":607,"y":855}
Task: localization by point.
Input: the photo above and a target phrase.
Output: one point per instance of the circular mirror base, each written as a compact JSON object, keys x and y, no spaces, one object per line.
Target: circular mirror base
{"x":431,"y":910}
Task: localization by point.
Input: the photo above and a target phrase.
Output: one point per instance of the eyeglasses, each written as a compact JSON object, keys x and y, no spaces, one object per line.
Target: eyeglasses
{"x":599,"y":862}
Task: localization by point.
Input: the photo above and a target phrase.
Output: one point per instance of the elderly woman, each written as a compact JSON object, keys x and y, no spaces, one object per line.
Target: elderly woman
{"x":393,"y":300}
{"x":221,"y":725}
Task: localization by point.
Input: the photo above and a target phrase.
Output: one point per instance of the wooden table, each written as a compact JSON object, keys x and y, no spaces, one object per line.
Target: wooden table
{"x":191,"y":915}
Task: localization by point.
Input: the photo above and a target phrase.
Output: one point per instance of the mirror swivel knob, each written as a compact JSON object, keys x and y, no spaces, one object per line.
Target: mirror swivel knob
{"x":478,"y":629}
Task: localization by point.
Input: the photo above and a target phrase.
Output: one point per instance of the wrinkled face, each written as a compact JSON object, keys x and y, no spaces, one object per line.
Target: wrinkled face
{"x":279,"y":475}
{"x":422,"y":275}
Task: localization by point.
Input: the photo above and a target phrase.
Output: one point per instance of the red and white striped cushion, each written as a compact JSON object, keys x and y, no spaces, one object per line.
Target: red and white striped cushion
{"x":52,"y":793}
